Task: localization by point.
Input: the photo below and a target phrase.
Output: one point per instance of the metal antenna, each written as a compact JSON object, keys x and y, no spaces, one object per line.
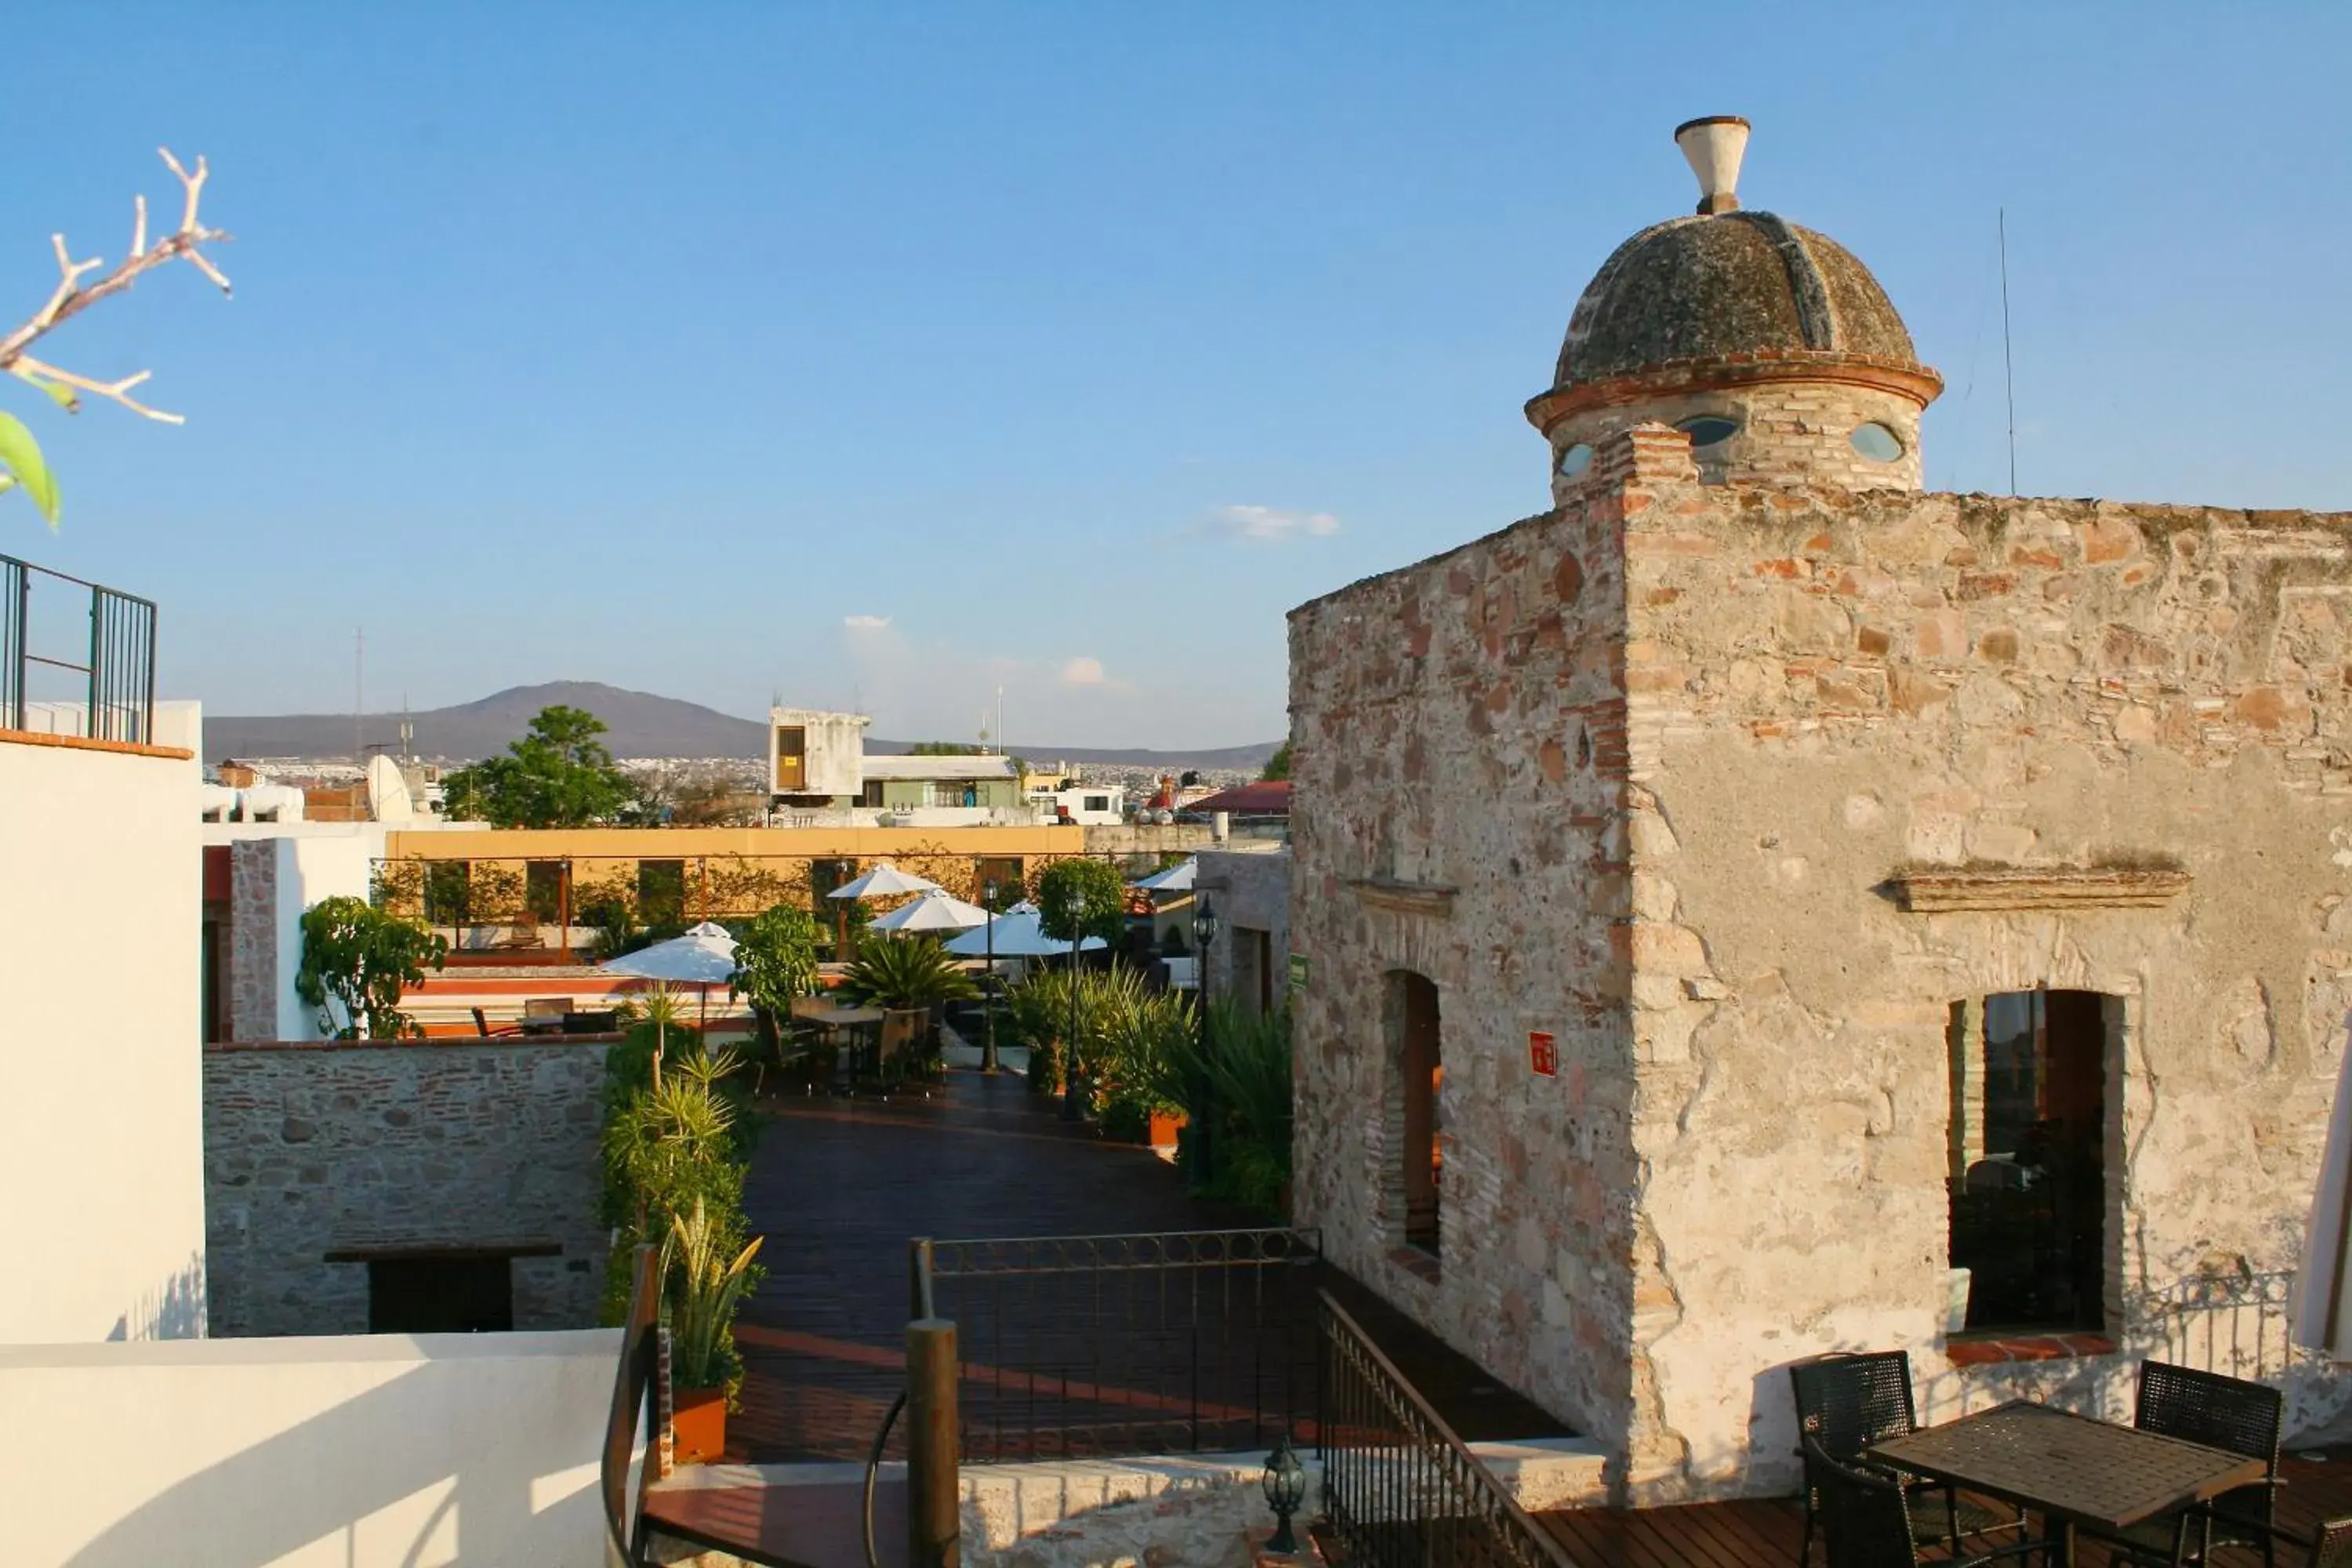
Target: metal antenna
{"x":359,"y":696}
{"x":2008,"y":364}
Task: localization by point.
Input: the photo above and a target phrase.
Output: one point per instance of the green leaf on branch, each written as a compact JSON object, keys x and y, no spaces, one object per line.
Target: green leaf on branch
{"x":64,"y":396}
{"x":22,"y":456}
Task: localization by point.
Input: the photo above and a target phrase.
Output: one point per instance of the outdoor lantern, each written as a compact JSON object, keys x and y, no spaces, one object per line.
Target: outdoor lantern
{"x":1286,"y":1492}
{"x":1204,"y":926}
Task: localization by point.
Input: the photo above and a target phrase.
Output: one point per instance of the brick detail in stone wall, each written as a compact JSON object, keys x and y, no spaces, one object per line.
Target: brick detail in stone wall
{"x":353,"y":1148}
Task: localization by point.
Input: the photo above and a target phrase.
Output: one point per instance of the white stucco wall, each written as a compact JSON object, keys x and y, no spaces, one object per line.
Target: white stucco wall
{"x":311,"y":869}
{"x":354,"y":1452}
{"x":101,"y":1130}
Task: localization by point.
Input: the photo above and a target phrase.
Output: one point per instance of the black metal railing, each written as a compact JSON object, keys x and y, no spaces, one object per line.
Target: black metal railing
{"x":2234,"y":1323}
{"x":1184,"y":1341}
{"x":1400,"y":1489}
{"x":110,"y":672}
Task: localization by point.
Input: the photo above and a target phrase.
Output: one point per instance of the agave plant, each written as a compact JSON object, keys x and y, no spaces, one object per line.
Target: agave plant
{"x":907,"y":972}
{"x":706,"y":1286}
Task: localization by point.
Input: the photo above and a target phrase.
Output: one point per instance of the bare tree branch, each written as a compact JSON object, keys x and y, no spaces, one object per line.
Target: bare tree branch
{"x":70,"y":299}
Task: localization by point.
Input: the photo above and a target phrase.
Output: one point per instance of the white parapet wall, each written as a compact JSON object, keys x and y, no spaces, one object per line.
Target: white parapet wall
{"x":101,"y":1133}
{"x":362,"y":1451}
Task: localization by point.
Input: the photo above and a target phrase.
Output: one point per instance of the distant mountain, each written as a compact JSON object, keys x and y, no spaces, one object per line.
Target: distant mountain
{"x":640,"y":725}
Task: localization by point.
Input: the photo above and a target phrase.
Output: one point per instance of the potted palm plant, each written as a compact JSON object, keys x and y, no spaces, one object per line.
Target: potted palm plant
{"x":706,"y":1286}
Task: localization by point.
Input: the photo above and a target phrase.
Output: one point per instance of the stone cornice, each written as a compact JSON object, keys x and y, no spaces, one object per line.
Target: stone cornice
{"x":1404,"y":898}
{"x":86,"y":743}
{"x":1997,"y":889}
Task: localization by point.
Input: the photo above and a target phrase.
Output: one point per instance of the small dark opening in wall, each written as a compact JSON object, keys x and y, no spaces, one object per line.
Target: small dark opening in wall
{"x":446,"y":1295}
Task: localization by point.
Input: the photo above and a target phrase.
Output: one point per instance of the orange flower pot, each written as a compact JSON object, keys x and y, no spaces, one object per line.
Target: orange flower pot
{"x":698,"y":1425}
{"x":1164,"y":1125}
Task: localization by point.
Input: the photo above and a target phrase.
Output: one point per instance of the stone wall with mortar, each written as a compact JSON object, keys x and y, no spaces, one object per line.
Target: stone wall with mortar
{"x":1743,"y":1159}
{"x":1458,"y":735}
{"x":1829,"y":689}
{"x":1789,"y":435}
{"x":1249,"y":891}
{"x":252,"y":940}
{"x":319,"y":1148}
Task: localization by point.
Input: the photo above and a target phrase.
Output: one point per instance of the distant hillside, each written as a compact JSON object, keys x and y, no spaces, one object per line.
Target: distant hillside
{"x":641,"y":725}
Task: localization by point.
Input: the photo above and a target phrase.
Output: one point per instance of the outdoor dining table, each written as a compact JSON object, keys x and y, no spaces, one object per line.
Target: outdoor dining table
{"x":2069,"y":1468}
{"x":837,"y":1019}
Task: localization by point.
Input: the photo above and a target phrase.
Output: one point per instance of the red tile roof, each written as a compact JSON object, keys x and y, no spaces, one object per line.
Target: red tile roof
{"x":1265,"y":798}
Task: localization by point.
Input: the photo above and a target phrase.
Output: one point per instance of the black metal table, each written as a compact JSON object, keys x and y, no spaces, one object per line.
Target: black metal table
{"x":2067,"y":1468}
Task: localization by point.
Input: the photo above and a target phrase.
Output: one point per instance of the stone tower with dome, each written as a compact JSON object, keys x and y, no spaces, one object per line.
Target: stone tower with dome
{"x":1757,"y":907}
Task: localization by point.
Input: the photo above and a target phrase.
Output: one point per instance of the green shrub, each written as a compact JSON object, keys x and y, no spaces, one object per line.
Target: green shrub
{"x":906,"y":972}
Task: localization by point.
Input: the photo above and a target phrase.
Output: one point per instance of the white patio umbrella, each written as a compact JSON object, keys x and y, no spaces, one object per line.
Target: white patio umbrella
{"x":1175,"y":879}
{"x":2322,"y":1311}
{"x":703,"y":957}
{"x":885,"y":881}
{"x":935,"y":911}
{"x":1019,"y":932}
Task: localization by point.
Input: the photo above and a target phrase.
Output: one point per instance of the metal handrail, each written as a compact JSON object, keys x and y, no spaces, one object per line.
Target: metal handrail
{"x":1414,"y":1494}
{"x":1134,"y":1342}
{"x":873,"y":1469}
{"x":120,"y":693}
{"x":632,"y":1398}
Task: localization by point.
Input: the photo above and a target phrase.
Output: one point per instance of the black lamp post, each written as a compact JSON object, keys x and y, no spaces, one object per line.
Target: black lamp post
{"x":988,"y":1051}
{"x":1285,"y":1493}
{"x":1204,"y":936}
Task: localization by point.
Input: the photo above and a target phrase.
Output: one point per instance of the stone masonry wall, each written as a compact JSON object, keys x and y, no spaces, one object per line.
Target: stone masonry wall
{"x":252,"y":940}
{"x":1828,"y":688}
{"x":1250,"y":891}
{"x":1788,"y":435}
{"x":1459,"y":751}
{"x":1743,"y":1159}
{"x":319,"y":1148}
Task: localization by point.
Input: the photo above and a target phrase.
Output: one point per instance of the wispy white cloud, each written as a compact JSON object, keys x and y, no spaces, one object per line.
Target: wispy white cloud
{"x":1084,"y":671}
{"x":1268,"y":525}
{"x":866,"y":623}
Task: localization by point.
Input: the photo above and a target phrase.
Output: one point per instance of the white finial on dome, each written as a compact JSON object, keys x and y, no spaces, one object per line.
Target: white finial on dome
{"x":1714,"y":147}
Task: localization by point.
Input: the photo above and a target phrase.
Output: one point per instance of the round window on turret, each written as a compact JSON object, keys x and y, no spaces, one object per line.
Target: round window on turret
{"x":1575,"y":460}
{"x":1877,"y":442}
{"x":1709,"y":429}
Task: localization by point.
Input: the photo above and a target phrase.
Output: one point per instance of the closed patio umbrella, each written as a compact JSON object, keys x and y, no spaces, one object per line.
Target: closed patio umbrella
{"x":935,"y":911}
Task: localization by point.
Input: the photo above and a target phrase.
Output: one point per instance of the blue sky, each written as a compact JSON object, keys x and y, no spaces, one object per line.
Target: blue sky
{"x":679,"y":347}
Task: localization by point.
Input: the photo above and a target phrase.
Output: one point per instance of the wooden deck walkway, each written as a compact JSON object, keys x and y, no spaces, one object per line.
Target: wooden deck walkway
{"x":1766,"y":1533}
{"x":839,"y":1187}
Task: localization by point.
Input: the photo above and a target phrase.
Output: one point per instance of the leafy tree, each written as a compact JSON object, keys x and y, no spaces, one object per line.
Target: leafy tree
{"x":1077,"y":899}
{"x":946,"y":748}
{"x":558,"y":775}
{"x":359,"y":958}
{"x":1277,"y":766}
{"x":775,"y":961}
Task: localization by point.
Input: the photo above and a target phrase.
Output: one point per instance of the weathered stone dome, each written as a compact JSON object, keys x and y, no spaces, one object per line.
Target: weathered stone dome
{"x":1709,"y":287}
{"x":1769,"y":346}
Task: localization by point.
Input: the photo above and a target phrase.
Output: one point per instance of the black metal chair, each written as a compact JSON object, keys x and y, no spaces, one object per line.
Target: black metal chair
{"x":2330,"y":1547}
{"x":1847,"y":1401}
{"x":2225,"y":1413}
{"x":1866,"y":1519}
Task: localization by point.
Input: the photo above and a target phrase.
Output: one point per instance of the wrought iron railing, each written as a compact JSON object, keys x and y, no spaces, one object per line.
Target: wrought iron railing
{"x":1186,"y":1342}
{"x":1400,"y":1489}
{"x":2236,"y":1324}
{"x":112,"y":670}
